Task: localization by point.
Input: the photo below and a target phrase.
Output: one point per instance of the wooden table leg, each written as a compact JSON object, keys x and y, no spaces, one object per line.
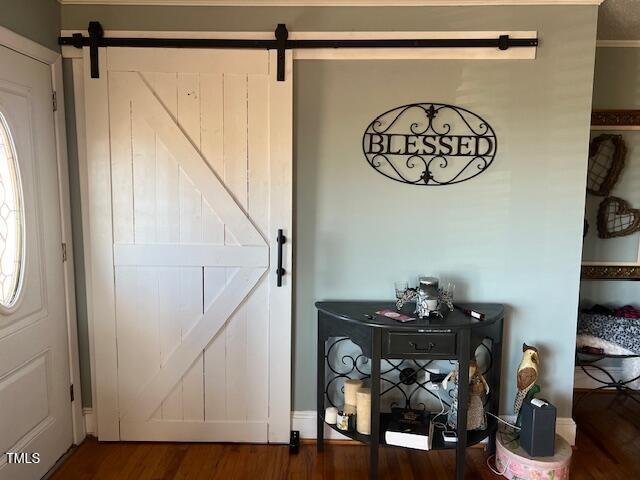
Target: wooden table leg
{"x":464,"y":348}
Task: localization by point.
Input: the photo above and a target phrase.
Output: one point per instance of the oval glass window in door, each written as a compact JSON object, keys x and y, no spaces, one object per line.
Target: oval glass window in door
{"x":11,"y":221}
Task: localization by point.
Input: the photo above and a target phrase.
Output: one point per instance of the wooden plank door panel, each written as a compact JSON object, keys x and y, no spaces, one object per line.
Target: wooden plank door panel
{"x":192,"y":161}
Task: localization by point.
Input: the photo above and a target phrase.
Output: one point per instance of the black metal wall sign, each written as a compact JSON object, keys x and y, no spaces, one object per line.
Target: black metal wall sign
{"x":429,"y":144}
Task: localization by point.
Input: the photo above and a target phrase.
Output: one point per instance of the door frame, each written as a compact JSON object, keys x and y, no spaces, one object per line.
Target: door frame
{"x":77,"y":57}
{"x":53,"y":59}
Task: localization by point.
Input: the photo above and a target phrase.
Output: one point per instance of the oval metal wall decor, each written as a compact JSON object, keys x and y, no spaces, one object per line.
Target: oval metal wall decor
{"x":429,"y":144}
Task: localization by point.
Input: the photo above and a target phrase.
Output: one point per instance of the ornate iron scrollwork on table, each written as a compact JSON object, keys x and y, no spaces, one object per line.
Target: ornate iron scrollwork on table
{"x":402,"y":384}
{"x":429,"y":144}
{"x":627,"y":383}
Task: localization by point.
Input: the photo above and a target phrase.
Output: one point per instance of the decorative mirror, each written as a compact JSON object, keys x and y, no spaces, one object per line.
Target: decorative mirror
{"x":611,"y":245}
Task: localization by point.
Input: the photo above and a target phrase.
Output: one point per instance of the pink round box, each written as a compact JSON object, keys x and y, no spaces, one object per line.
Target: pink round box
{"x":514,"y":463}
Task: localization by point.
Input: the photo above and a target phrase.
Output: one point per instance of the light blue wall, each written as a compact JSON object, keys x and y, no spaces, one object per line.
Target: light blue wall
{"x":616,"y":85}
{"x":511,"y":235}
{"x":122,"y":17}
{"x":38,"y":20}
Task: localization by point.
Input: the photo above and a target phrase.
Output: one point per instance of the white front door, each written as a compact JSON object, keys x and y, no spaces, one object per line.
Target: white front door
{"x":35,"y":407}
{"x":189,"y":161}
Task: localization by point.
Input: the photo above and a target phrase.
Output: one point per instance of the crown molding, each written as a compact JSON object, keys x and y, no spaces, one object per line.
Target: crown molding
{"x":332,"y":3}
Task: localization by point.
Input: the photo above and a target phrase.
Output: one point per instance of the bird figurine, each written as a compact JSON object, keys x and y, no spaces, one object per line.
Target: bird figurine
{"x":527,"y":374}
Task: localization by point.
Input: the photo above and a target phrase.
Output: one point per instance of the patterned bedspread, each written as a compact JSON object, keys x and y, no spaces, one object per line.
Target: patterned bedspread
{"x":621,"y":331}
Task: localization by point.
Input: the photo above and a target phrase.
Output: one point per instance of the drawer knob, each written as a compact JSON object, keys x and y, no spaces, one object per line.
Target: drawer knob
{"x":426,"y":348}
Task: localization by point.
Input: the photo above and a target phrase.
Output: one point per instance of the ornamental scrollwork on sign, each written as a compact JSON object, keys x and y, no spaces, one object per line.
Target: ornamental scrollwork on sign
{"x":429,"y":144}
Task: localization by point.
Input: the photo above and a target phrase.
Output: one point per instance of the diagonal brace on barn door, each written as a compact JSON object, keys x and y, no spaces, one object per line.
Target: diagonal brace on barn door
{"x":132,"y":86}
{"x":149,"y":398}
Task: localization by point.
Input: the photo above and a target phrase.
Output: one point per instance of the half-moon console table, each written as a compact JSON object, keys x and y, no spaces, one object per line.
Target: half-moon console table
{"x":454,"y":337}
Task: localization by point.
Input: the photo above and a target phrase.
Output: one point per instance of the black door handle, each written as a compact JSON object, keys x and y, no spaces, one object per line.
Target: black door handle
{"x":280,"y":271}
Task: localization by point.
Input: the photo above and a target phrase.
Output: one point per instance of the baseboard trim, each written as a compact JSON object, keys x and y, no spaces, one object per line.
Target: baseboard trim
{"x":313,"y":441}
{"x":582,"y":381}
{"x":566,"y":428}
{"x":305,"y":422}
{"x":90,"y":424}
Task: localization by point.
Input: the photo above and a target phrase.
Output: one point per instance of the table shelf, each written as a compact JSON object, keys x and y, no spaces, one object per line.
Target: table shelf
{"x":473,"y":436}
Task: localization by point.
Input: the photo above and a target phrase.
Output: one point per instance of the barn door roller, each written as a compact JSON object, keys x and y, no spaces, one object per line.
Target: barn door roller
{"x":281,"y":43}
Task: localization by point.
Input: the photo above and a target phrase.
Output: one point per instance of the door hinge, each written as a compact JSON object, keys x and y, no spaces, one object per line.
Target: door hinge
{"x":54,"y":100}
{"x":64,"y":252}
{"x":71,"y":392}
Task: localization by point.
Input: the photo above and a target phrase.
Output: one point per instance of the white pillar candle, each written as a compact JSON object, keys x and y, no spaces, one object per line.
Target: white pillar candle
{"x":331,"y":415}
{"x":363,"y":409}
{"x":351,"y":386}
{"x":432,"y":304}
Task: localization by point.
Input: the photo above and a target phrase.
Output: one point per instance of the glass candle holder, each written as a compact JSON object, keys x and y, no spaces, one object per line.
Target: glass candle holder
{"x":400,"y":288}
{"x":427,"y":296}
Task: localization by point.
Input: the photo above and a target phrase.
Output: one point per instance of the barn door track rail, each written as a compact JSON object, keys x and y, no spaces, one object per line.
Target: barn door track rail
{"x":281,"y":43}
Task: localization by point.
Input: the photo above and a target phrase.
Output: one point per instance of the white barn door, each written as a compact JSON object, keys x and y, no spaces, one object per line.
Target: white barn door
{"x":189,"y":160}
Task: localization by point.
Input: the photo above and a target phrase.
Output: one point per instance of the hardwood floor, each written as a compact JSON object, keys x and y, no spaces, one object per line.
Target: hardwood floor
{"x":607,"y":448}
{"x":608,"y":439}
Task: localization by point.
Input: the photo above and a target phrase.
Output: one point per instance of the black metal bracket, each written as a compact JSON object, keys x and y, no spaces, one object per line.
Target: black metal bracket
{"x":503,"y":42}
{"x":96,"y":33}
{"x":282,"y":35}
{"x":281,"y":43}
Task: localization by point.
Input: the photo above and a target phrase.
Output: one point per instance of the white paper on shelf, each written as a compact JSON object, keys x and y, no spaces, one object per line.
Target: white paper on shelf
{"x":409,"y":440}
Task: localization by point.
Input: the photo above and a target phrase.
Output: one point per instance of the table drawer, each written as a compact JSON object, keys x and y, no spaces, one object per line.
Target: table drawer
{"x":432,"y":344}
